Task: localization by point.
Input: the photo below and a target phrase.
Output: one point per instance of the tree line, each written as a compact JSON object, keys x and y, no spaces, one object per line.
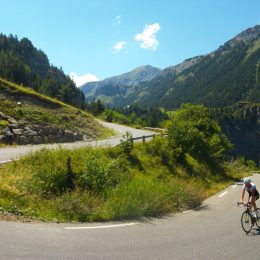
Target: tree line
{"x":22,"y":63}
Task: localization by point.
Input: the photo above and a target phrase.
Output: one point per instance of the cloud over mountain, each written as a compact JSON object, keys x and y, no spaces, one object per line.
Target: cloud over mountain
{"x":148,"y":36}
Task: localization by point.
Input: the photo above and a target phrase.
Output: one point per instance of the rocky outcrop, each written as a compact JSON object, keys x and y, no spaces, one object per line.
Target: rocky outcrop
{"x":20,"y":132}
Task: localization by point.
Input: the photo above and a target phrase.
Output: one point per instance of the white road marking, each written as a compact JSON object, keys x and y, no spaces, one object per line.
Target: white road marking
{"x":223,"y":194}
{"x":234,"y":186}
{"x":98,"y":227}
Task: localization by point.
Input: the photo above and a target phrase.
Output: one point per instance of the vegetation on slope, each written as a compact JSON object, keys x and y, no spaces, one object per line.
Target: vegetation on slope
{"x":38,"y":109}
{"x":22,"y":63}
{"x":151,"y":179}
{"x":241,"y":123}
{"x":134,"y":115}
{"x":218,"y":79}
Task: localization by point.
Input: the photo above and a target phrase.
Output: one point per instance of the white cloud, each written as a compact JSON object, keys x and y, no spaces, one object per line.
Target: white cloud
{"x":148,"y":36}
{"x":118,"y":20}
{"x":80,"y":80}
{"x":119,"y":46}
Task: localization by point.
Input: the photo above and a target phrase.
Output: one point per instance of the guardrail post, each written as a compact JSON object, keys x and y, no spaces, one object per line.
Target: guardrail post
{"x":143,"y":138}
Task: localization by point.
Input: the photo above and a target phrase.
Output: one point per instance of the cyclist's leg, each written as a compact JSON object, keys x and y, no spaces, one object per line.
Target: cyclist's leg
{"x":256,"y":211}
{"x":250,"y":201}
{"x":253,"y":203}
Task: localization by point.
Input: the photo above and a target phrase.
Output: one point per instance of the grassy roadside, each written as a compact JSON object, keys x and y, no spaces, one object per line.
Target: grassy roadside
{"x":106,"y":184}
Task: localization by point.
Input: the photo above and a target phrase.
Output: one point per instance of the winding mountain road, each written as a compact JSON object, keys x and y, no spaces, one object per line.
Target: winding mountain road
{"x":14,"y":153}
{"x":212,"y":231}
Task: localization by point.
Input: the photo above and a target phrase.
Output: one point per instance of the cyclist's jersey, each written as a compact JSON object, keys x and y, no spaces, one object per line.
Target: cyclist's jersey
{"x":249,"y":190}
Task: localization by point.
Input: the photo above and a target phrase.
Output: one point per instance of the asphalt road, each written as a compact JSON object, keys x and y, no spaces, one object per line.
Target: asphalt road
{"x":211,"y":232}
{"x":14,"y":153}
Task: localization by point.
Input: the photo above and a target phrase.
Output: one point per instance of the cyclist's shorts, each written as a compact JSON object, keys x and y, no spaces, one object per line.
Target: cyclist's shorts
{"x":256,"y":196}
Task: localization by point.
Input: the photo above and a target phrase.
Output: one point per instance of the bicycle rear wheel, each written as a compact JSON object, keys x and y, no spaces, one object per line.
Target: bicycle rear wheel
{"x":246,"y":221}
{"x":257,"y":222}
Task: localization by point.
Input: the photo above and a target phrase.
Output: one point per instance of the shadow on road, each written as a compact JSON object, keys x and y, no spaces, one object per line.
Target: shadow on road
{"x":202,"y":207}
{"x":255,"y":232}
{"x":171,"y":216}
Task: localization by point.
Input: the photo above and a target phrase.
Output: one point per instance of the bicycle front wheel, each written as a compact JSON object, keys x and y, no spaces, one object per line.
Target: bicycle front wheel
{"x":257,"y":222}
{"x":246,"y":221}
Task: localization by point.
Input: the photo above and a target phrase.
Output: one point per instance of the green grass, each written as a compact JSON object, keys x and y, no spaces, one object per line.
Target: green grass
{"x":18,"y":90}
{"x":107,"y":184}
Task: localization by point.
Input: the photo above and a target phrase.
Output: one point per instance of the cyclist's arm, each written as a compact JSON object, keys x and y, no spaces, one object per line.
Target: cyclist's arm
{"x":242,"y":195}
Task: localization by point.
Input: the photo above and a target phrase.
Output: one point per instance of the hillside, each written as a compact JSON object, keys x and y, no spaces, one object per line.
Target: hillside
{"x":221,"y":78}
{"x":241,"y":123}
{"x":35,"y":118}
{"x":114,"y":89}
{"x":218,"y":79}
{"x":22,"y":63}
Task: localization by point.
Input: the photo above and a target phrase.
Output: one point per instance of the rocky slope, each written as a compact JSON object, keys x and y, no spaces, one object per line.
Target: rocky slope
{"x":26,"y":117}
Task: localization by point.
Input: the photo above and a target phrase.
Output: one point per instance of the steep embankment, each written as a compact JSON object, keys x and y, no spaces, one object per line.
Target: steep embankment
{"x":34,"y":118}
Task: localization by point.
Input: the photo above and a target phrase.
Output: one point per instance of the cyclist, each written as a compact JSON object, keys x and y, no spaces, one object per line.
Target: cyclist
{"x":253,"y":194}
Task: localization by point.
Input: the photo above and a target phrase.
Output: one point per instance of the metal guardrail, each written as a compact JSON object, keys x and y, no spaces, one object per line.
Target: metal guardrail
{"x":147,"y":136}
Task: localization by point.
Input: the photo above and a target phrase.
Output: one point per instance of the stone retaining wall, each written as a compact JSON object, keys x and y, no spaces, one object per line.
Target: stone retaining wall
{"x":20,"y":132}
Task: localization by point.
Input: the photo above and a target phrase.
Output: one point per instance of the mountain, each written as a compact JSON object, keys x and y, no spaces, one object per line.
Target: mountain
{"x":113,"y":90}
{"x":22,"y":63}
{"x":218,"y":79}
{"x":221,"y":78}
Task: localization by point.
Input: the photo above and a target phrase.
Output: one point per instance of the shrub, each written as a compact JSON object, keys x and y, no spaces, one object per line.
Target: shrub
{"x":99,"y":173}
{"x":139,"y":197}
{"x":127,"y":143}
{"x":191,"y":131}
{"x":77,"y":206}
{"x":48,"y":173}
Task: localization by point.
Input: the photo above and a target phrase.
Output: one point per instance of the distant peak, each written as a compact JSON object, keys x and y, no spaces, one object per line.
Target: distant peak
{"x":249,"y":34}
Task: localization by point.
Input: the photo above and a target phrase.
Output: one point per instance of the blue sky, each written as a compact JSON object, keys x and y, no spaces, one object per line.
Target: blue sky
{"x":105,"y":38}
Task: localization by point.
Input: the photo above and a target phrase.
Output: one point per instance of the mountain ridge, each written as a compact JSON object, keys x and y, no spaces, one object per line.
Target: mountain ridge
{"x":121,"y":83}
{"x":225,"y":76}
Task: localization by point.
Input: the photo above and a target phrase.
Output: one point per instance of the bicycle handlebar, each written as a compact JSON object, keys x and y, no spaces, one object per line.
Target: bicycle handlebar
{"x":244,"y":204}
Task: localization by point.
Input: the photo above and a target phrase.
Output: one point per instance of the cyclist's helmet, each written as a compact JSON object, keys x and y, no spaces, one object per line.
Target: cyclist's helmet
{"x":247,"y":180}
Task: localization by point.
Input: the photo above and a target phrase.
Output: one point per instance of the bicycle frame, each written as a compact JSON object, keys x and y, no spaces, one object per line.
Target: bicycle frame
{"x":247,"y":218}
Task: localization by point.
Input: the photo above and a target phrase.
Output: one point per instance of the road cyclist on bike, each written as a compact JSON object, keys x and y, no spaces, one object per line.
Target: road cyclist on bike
{"x":250,"y":187}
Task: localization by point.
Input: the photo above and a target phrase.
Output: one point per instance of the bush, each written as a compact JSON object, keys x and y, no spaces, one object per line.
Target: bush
{"x":77,"y":206}
{"x":48,"y":173}
{"x":192,"y":131}
{"x":127,"y":143}
{"x":139,"y":197}
{"x":99,"y":173}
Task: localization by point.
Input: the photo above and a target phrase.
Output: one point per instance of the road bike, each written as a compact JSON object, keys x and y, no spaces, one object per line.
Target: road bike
{"x":247,"y":219}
